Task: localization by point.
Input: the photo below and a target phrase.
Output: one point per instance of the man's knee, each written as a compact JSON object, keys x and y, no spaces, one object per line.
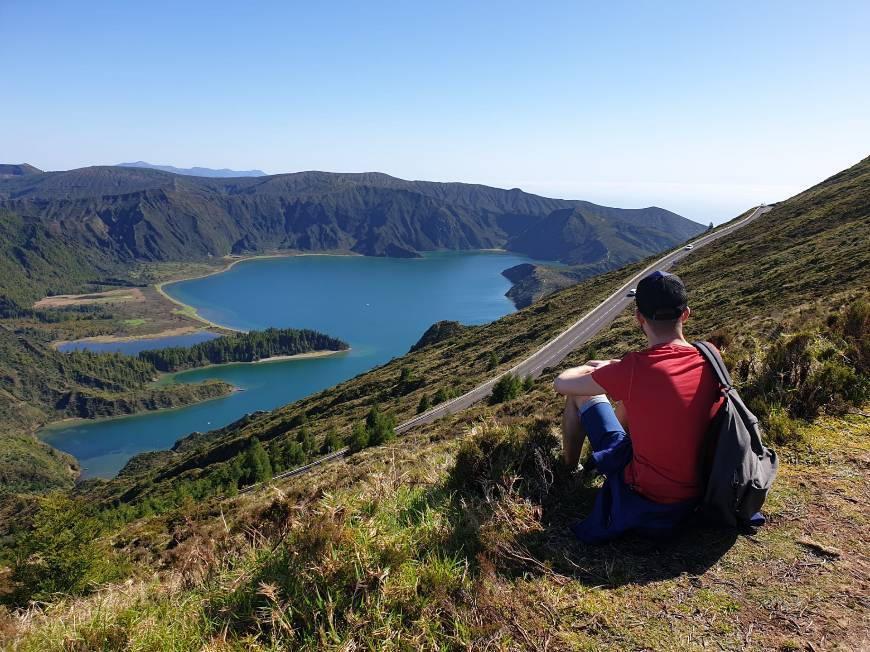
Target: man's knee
{"x":574,"y":402}
{"x":582,"y":403}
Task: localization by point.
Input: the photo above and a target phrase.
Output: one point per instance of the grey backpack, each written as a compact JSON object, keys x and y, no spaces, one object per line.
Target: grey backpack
{"x":737,"y":468}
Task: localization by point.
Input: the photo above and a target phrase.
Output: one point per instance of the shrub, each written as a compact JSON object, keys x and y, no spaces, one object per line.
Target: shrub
{"x":832,"y":386}
{"x":720,"y":338}
{"x":780,"y":429}
{"x":855,"y":329}
{"x":496,"y":453}
{"x":443,"y":394}
{"x":508,"y":387}
{"x":59,"y":555}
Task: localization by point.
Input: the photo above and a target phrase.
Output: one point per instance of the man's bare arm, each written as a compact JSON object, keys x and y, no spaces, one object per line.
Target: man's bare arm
{"x":578,"y":381}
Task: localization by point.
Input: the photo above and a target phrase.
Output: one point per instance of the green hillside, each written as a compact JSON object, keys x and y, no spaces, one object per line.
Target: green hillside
{"x":106,"y":219}
{"x":454,"y":536}
{"x":36,"y":259}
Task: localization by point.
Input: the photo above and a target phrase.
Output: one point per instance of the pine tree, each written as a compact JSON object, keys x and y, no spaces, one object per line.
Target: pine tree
{"x":294,"y":455}
{"x":424,"y":404}
{"x":381,"y":427}
{"x":359,"y":438}
{"x":306,"y":439}
{"x":332,"y":442}
{"x":258,"y":466}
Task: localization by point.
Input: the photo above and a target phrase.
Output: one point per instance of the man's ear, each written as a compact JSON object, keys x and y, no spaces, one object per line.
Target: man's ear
{"x":685,"y":316}
{"x":640,"y":319}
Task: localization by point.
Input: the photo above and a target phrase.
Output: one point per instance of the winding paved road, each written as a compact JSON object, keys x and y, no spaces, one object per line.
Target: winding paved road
{"x":554,"y":351}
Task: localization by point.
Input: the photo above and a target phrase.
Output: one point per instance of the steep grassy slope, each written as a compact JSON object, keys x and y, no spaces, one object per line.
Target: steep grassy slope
{"x":30,"y":465}
{"x":37,"y":259}
{"x":454,"y":537}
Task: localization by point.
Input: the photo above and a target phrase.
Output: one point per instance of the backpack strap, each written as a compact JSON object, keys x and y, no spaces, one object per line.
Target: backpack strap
{"x":711,"y":355}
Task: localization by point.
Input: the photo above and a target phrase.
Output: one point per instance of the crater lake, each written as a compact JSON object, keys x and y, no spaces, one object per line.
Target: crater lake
{"x":380,"y":306}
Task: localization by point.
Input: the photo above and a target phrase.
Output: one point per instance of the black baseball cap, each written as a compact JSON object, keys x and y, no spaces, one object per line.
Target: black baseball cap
{"x":661,"y":296}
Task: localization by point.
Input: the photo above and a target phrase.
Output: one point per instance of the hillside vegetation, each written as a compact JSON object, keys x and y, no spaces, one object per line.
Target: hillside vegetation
{"x":455,"y":535}
{"x":39,"y":384}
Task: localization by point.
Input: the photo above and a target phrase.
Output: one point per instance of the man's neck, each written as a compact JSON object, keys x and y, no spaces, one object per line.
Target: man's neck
{"x":658,"y":340}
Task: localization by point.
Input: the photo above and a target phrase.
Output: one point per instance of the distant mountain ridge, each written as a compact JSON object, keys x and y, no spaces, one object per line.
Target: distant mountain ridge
{"x":195,"y":171}
{"x":117,"y":216}
{"x":8,"y":170}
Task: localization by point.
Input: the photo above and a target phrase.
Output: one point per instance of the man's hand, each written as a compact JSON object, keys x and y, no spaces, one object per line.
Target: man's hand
{"x":599,"y":363}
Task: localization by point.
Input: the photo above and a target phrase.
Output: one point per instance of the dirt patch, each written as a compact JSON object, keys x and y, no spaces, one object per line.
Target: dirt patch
{"x":105,"y":339}
{"x":123,"y":295}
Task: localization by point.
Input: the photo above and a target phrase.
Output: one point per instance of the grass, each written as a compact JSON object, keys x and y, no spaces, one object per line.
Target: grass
{"x":395,"y":556}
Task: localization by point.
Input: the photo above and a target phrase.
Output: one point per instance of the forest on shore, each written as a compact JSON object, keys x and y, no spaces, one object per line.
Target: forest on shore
{"x":242,"y":347}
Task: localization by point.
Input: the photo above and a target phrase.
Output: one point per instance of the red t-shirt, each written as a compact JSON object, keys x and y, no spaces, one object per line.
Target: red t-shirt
{"x":670,"y":395}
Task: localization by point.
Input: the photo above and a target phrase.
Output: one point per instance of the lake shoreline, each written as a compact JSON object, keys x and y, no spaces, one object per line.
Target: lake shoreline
{"x":325,"y":353}
{"x":192,"y":312}
{"x":112,"y":339}
{"x":67,"y":421}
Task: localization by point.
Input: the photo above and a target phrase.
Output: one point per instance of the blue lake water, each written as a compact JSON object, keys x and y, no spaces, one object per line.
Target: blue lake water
{"x":133,"y":347}
{"x":380,"y":306}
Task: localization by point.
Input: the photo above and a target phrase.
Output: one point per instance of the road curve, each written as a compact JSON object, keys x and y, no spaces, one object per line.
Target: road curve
{"x":554,"y":351}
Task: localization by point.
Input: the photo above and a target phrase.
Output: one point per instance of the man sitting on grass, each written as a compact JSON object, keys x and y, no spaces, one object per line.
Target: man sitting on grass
{"x":649,"y":448}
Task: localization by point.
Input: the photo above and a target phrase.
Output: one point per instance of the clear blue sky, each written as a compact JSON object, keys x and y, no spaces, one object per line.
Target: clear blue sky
{"x":703,"y":109}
